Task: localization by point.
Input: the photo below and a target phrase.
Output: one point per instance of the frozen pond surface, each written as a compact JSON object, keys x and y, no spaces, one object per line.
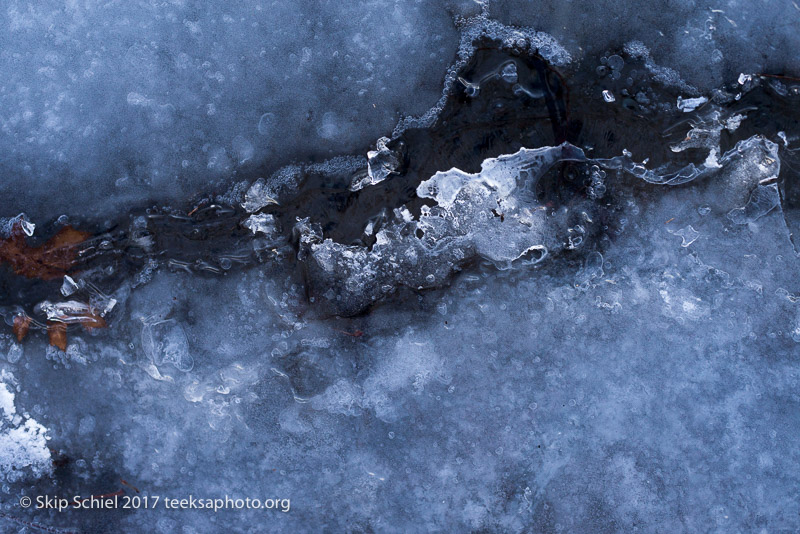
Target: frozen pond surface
{"x":559,"y":296}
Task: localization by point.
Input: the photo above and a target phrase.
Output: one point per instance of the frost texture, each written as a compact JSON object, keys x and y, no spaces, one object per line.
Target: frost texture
{"x":23,"y":441}
{"x":158,"y":100}
{"x":603,"y":387}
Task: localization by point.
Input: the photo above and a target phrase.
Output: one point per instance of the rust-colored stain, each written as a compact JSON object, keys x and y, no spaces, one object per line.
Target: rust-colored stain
{"x":49,"y":261}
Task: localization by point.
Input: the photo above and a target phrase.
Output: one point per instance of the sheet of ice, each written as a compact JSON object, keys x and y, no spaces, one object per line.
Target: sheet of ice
{"x":162,"y":100}
{"x":704,"y":44}
{"x":582,"y":396}
{"x":649,"y":381}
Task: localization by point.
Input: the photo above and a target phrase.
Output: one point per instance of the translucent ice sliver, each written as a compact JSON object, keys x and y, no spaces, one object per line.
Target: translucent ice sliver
{"x":258,"y":196}
{"x":763,"y":199}
{"x":15,"y":224}
{"x":484,"y":209}
{"x":687,"y":234}
{"x":499,"y":173}
{"x":690,"y":104}
{"x":73,"y":311}
{"x":165,"y":342}
{"x":262,"y":223}
{"x":381,"y":163}
{"x":27,"y":226}
{"x":69,"y":286}
{"x":689,"y":172}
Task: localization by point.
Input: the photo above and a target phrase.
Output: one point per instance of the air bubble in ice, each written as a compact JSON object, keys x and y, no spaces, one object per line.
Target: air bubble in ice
{"x":162,"y":116}
{"x":14,"y":353}
{"x":597,"y":187}
{"x":329,"y":129}
{"x":615,"y":62}
{"x":796,"y":334}
{"x":86,"y":425}
{"x":509,"y":73}
{"x":243,"y":149}
{"x":218,"y":160}
{"x":608,"y":96}
{"x":266,"y":123}
{"x":575,"y":236}
{"x":136,"y":99}
{"x":592,"y":268}
{"x":165,"y":342}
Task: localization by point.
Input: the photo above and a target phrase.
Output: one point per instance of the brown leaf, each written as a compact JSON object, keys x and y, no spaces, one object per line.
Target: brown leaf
{"x":49,"y":261}
{"x":92,"y":321}
{"x":57,"y":333}
{"x":21,"y":325}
